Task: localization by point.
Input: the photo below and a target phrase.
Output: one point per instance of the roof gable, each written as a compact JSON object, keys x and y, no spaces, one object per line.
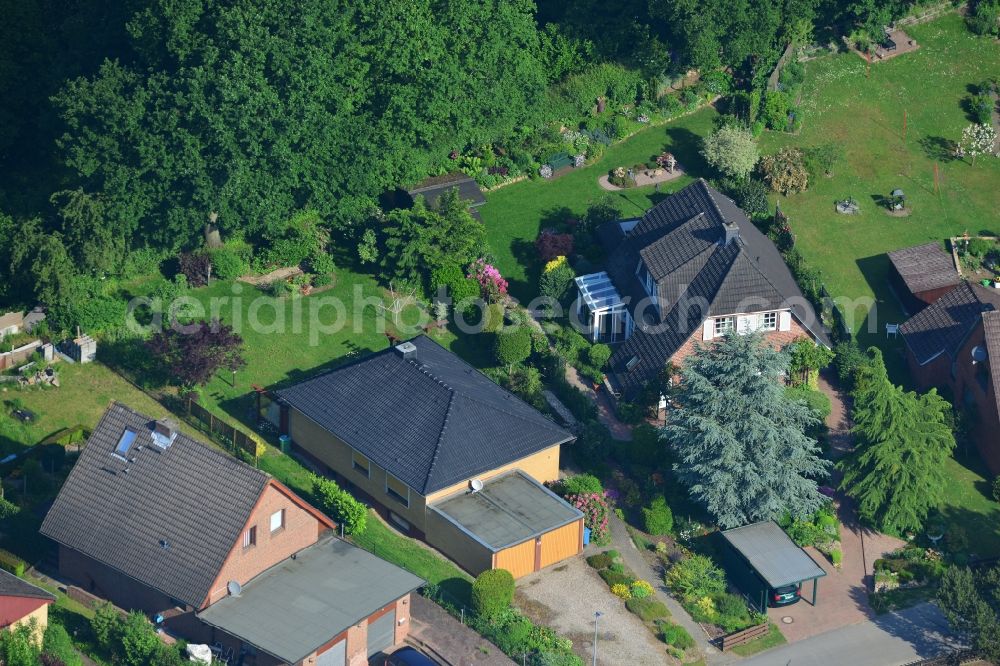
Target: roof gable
{"x":942,"y":326}
{"x":925,"y":267}
{"x":12,"y":586}
{"x":166,"y":517}
{"x":432,"y":422}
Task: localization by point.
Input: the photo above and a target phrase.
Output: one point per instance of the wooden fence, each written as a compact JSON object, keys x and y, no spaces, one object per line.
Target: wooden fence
{"x":745,"y":636}
{"x":232,"y":438}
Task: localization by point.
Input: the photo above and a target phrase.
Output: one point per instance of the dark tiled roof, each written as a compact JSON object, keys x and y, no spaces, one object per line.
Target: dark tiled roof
{"x":431,"y":422}
{"x":169,"y":521}
{"x":991,"y":332}
{"x":925,"y":267}
{"x":12,"y":586}
{"x":696,"y":276}
{"x":432,"y":189}
{"x":943,"y":326}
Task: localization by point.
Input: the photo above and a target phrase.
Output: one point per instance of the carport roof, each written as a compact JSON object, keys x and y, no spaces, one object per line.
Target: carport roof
{"x":296,"y":606}
{"x":509,"y":510}
{"x":772,"y":554}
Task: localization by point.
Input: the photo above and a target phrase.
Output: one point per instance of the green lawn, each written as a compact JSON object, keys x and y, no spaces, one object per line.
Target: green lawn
{"x":515,"y":214}
{"x":773,"y":638}
{"x":968,"y":503}
{"x":84,"y":393}
{"x":865,"y":116}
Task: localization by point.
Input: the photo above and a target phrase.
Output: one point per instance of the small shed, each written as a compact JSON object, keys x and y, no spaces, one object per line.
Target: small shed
{"x":773,"y":557}
{"x":513,"y":522}
{"x":922,"y":274}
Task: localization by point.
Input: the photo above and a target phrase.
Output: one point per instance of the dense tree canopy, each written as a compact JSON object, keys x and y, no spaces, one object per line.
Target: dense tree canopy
{"x":740,"y":443}
{"x":903,"y":439}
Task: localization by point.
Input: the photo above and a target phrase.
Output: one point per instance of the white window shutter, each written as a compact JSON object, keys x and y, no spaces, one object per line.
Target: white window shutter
{"x":708,"y":329}
{"x":785,"y":321}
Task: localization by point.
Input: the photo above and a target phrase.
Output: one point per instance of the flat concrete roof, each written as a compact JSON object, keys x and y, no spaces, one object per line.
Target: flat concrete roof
{"x":773,"y":554}
{"x":509,"y":510}
{"x":297,"y":606}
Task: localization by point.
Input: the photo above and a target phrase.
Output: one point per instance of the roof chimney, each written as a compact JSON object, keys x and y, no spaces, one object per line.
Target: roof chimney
{"x":407,"y":350}
{"x":730,"y":232}
{"x":164,"y":433}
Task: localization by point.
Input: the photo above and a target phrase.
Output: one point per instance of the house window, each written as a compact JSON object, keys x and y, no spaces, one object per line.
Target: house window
{"x":250,"y":537}
{"x":361,"y":464}
{"x":769,"y":321}
{"x":277,"y":520}
{"x":723,"y":325}
{"x":397,"y":490}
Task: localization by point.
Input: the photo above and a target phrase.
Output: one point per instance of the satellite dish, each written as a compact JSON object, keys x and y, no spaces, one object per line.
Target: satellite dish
{"x":476,"y":485}
{"x":234,"y":588}
{"x":979,"y":354}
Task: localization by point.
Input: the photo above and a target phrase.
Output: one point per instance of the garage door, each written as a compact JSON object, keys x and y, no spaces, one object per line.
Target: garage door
{"x":561,"y":543}
{"x":381,"y":633}
{"x":335,"y":656}
{"x":519,"y":560}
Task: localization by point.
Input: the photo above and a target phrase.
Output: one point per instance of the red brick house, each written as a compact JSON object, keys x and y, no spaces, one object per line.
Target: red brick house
{"x":21,"y":603}
{"x":690,"y":270}
{"x":219,"y":552}
{"x":922,"y":274}
{"x":954,"y":345}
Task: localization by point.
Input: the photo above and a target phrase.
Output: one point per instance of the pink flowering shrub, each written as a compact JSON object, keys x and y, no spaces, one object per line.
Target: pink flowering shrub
{"x":595,"y":515}
{"x":491,"y":283}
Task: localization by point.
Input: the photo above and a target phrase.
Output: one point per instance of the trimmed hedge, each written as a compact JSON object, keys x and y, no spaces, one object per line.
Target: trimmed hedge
{"x":493,"y":592}
{"x":647,"y":609}
{"x":600,"y":561}
{"x":341,"y":505}
{"x":657,"y":518}
{"x":676,"y":635}
{"x":614,"y":578}
{"x":12,"y":563}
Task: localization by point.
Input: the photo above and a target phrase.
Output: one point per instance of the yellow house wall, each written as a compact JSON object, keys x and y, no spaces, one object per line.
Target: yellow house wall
{"x":468,"y":553}
{"x":543,"y":466}
{"x":40,"y":616}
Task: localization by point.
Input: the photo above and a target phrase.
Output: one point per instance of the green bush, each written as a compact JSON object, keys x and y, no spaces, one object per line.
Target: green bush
{"x":732,"y":612}
{"x":321,"y":263}
{"x":600,"y":561}
{"x":614,"y":578}
{"x":775,"y":110}
{"x":617,"y":567}
{"x":996,"y":488}
{"x":817,"y":401}
{"x":513,"y":345}
{"x":57,"y":644}
{"x":137,"y":640}
{"x":647,"y":609}
{"x":580,"y":484}
{"x":455,"y":282}
{"x":657,"y":518}
{"x":341,"y":505}
{"x":598,"y":355}
{"x":836,"y":556}
{"x":979,"y":247}
{"x":227,"y":263}
{"x":12,"y":563}
{"x":493,"y":592}
{"x":676,"y":635}
{"x":696,"y":577}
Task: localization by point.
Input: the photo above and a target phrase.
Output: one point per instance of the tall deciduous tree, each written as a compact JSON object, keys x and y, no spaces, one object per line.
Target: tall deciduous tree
{"x":971,"y":601}
{"x":903,"y":440}
{"x":192,"y":354}
{"x":740,"y":444}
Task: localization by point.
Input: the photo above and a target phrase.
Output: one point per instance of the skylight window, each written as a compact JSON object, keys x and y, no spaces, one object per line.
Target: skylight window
{"x":125,"y":443}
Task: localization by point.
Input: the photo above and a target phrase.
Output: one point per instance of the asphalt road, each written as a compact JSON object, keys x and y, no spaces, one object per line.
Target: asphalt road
{"x":892,"y":639}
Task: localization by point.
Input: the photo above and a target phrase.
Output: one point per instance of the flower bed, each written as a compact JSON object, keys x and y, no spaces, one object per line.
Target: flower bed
{"x":905,"y":577}
{"x":640,"y":601}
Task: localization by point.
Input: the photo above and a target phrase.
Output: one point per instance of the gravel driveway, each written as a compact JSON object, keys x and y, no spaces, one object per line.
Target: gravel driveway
{"x":565,"y":597}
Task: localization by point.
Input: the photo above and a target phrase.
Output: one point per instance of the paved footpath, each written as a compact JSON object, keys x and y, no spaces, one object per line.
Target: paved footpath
{"x":459,"y":645}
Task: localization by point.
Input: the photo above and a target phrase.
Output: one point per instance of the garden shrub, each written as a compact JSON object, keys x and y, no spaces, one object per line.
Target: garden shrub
{"x":836,"y":556}
{"x":703,"y":610}
{"x":657,"y":517}
{"x":614,"y":578}
{"x":194,"y":266}
{"x":775,"y":110}
{"x":12,"y":563}
{"x":455,"y":282}
{"x":598,"y":355}
{"x":621,"y":590}
{"x":599,"y":561}
{"x":492,"y":592}
{"x":595,"y":515}
{"x":579,"y":484}
{"x":513,"y":345}
{"x":321,"y":263}
{"x":56,"y":644}
{"x":641,"y":589}
{"x":593,"y":443}
{"x":817,"y":401}
{"x":785,"y":171}
{"x":340,"y":504}
{"x":227,"y":263}
{"x":731,"y":611}
{"x":694,"y":577}
{"x":676,"y":635}
{"x":551,"y":245}
{"x":137,"y":640}
{"x":996,"y":489}
{"x":617,"y":567}
{"x":556,"y":279}
{"x":648,"y":610}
